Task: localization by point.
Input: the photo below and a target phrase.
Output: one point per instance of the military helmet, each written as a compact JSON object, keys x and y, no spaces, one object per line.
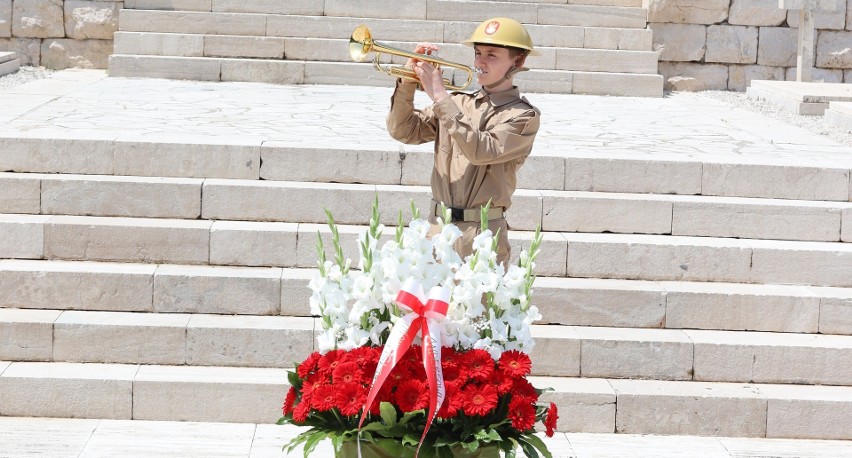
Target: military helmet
{"x":501,"y":31}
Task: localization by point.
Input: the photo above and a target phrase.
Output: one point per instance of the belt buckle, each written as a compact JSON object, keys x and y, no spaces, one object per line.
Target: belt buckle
{"x":456,"y":214}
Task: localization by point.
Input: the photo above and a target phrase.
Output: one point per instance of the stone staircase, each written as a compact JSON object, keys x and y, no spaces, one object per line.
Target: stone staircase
{"x":156,"y":279}
{"x":588,"y":47}
{"x":9,"y":63}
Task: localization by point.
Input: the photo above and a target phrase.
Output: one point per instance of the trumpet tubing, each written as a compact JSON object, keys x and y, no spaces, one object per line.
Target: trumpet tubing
{"x":361,"y":44}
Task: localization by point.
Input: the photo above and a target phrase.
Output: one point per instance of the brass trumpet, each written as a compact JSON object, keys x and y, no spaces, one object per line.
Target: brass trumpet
{"x":361,"y":44}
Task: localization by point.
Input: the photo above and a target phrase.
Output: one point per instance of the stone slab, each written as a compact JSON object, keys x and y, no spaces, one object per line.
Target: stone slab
{"x":137,"y":438}
{"x":556,"y":352}
{"x":800,"y":97}
{"x":27,"y":335}
{"x":22,"y":236}
{"x":660,"y":354}
{"x":590,"y":401}
{"x":217,"y":289}
{"x":45,"y":436}
{"x":21,"y":193}
{"x":839,"y":114}
{"x":257,"y":244}
{"x":801,"y":411}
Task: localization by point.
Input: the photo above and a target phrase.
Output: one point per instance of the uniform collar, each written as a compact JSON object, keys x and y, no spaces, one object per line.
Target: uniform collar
{"x":501,"y":98}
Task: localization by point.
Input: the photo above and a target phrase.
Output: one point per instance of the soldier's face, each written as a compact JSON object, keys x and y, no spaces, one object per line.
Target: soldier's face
{"x":493,"y":61}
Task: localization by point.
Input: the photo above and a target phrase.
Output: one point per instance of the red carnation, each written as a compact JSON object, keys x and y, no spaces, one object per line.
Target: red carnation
{"x":479,"y":365}
{"x":515,"y":363}
{"x":288,"y":401}
{"x":522,"y":414}
{"x":412,"y":395}
{"x":347,"y":372}
{"x":550,"y":420}
{"x":479,"y":399}
{"x":308,"y":365}
{"x":323,"y":398}
{"x":350,"y":398}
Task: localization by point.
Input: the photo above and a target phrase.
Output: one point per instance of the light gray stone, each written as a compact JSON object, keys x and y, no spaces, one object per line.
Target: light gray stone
{"x":646,"y":176}
{"x":76,"y":286}
{"x":22,"y":236}
{"x":28,"y":50}
{"x":175,"y":156}
{"x":348,"y":166}
{"x":679,"y":42}
{"x":731,"y":44}
{"x":847,"y":76}
{"x":688,"y":11}
{"x":245,"y":395}
{"x":694,"y":77}
{"x":801,"y":411}
{"x":121,"y":337}
{"x":589,"y":212}
{"x":822,"y":19}
{"x":740,"y":76}
{"x":808,"y":263}
{"x":62,"y":53}
{"x":782,"y":182}
{"x":22,"y":153}
{"x":741,"y":307}
{"x":758,"y":219}
{"x":182,"y":68}
{"x":834,"y":49}
{"x":91,"y":19}
{"x":756,"y":12}
{"x":657,"y":257}
{"x":253,"y":341}
{"x":214,"y":289}
{"x":849,"y":15}
{"x":635,"y":353}
{"x":38,"y":19}
{"x":737,"y":356}
{"x":27,"y":335}
{"x":122,"y":196}
{"x":382,"y":9}
{"x":5,"y":18}
{"x":554,"y":252}
{"x":590,"y":401}
{"x":242,"y":47}
{"x":609,"y":38}
{"x":264,"y":71}
{"x":21,"y":193}
{"x":70,"y":390}
{"x":169,"y":44}
{"x":835,"y":311}
{"x":256,"y":244}
{"x":127,"y":239}
{"x":689,"y":408}
{"x":556,"y":352}
{"x":295,"y":294}
{"x":305,"y":7}
{"x":823,"y":75}
{"x":777,"y":46}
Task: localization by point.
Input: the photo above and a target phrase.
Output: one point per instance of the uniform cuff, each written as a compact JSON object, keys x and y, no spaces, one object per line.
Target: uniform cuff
{"x":446,"y":109}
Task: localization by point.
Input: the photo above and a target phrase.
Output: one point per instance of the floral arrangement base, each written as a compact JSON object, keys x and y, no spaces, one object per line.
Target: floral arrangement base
{"x":394,"y":449}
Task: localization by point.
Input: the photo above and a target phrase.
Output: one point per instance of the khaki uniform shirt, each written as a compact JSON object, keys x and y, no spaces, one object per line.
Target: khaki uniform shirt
{"x":481,"y":140}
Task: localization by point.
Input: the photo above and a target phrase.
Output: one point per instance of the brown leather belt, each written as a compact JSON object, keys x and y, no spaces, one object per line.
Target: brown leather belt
{"x":467,"y":214}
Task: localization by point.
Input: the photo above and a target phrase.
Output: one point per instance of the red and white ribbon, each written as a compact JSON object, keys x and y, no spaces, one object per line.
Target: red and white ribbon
{"x":426,"y":313}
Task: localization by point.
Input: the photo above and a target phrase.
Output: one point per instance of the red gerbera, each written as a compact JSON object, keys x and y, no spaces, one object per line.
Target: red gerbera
{"x":550,"y":420}
{"x":450,"y":357}
{"x":347,"y":372}
{"x":329,"y":361}
{"x":323,"y":398}
{"x":288,"y":401}
{"x":503,"y":382}
{"x":522,"y":388}
{"x":453,"y":401}
{"x":411,"y":395}
{"x":478,"y":365}
{"x":515,"y":363}
{"x":308,"y":365}
{"x":350,"y":398}
{"x":479,"y":399}
{"x":366,"y":358}
{"x":301,"y":411}
{"x":522,"y":414}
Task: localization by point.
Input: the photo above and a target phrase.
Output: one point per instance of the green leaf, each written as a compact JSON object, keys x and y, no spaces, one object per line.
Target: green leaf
{"x":293,"y":378}
{"x":313,"y":440}
{"x":388,"y":413}
{"x":536,"y":442}
{"x":529,"y":449}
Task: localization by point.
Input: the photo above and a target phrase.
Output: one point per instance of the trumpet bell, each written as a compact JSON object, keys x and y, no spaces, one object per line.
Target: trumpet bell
{"x":360,"y":43}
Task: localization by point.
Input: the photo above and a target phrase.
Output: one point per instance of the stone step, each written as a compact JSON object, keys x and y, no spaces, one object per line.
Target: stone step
{"x":548,"y":168}
{"x":169,"y":28}
{"x":363,"y":74}
{"x":29,"y":284}
{"x":572,"y":211}
{"x":315,"y":7}
{"x":440,"y":10}
{"x":95,"y":437}
{"x":615,"y":256}
{"x":337,"y":50}
{"x":267,"y":341}
{"x":9,"y":63}
{"x":839,"y":114}
{"x":183,"y":393}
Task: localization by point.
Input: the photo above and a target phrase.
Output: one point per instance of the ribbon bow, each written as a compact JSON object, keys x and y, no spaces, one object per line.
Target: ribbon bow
{"x":424,"y":312}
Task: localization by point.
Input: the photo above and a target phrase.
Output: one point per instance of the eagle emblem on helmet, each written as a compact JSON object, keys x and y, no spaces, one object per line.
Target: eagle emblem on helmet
{"x":492,"y":27}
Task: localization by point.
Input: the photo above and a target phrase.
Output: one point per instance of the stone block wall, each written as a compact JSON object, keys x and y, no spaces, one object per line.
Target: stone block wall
{"x":59,"y":33}
{"x":724,"y":44}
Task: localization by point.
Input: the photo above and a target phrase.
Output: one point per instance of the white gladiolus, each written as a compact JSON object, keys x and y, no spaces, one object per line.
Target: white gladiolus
{"x":489,"y":305}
